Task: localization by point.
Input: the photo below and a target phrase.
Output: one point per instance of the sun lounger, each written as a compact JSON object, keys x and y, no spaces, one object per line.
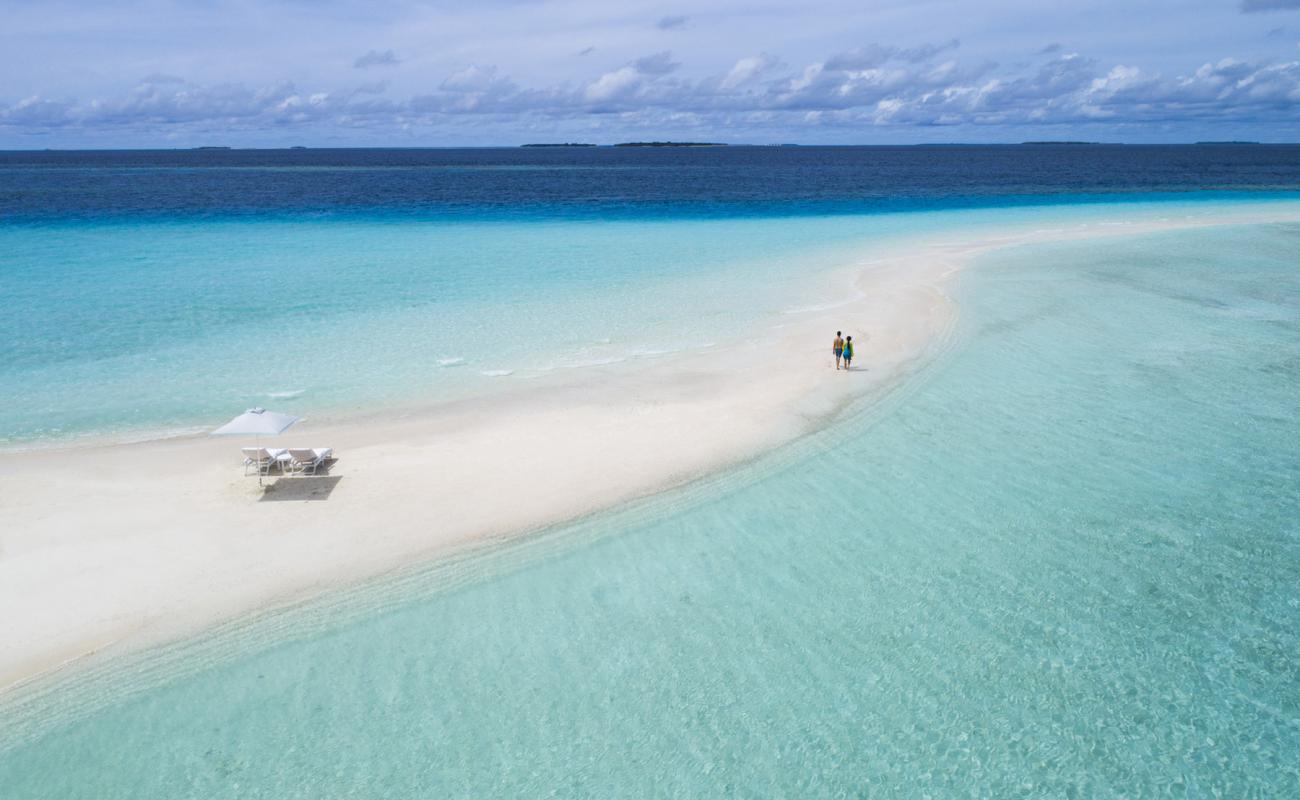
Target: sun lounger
{"x":306,"y":460}
{"x":262,"y":459}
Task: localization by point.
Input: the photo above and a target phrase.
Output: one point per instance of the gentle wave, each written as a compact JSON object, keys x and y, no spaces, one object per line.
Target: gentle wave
{"x":450,"y":362}
{"x":497,"y":373}
{"x":285,"y":394}
{"x":592,"y":362}
{"x":824,"y":306}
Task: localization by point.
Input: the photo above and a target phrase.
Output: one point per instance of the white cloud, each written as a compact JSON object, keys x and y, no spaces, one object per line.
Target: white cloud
{"x":613,"y":85}
{"x":747,"y":70}
{"x":471,"y":79}
{"x":866,"y":87}
{"x":36,"y":111}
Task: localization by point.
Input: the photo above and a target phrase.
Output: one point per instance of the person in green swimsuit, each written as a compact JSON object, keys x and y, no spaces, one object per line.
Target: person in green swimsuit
{"x":848,"y":351}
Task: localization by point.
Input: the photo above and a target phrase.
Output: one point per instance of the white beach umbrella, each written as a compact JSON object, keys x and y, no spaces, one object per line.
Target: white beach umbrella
{"x":257,"y":422}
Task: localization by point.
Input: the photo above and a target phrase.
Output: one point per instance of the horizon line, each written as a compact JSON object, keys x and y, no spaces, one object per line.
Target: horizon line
{"x":685,"y":145}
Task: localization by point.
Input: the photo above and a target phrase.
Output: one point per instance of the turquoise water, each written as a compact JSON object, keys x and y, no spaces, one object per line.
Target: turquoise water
{"x":135,"y":327}
{"x":1062,"y":562}
{"x":144,"y":326}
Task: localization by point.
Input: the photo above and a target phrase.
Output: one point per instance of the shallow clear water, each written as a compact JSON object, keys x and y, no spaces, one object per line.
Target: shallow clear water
{"x":147,"y":326}
{"x":1061,"y":562}
{"x":130,"y":328}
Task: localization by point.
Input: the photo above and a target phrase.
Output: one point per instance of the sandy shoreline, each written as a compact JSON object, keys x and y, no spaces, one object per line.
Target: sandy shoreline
{"x":112,"y":547}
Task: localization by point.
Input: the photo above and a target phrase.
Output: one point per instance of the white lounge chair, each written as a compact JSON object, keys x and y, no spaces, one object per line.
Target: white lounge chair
{"x":262,"y":459}
{"x":306,"y":460}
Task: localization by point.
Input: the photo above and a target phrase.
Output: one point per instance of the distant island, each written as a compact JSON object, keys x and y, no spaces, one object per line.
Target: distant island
{"x":1050,"y":142}
{"x":1229,"y":142}
{"x":671,"y":144}
{"x":559,"y":144}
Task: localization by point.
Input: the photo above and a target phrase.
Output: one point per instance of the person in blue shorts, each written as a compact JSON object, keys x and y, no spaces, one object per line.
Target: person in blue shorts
{"x":837,"y":347}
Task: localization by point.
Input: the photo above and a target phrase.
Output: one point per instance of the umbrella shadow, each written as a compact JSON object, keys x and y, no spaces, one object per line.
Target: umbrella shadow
{"x":311,"y":488}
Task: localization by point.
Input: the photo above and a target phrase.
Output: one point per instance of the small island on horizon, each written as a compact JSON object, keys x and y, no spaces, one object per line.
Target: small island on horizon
{"x":671,"y":144}
{"x":631,"y":144}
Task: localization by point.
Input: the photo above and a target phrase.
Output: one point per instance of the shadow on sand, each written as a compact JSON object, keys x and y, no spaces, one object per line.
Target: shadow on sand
{"x":305,"y":489}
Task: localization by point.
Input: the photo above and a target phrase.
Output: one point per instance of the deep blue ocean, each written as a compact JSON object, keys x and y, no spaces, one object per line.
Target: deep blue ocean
{"x":612,"y":182}
{"x":1061,"y":559}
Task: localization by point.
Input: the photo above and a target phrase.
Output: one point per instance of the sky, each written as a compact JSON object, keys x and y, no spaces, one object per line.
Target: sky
{"x":275,"y":73}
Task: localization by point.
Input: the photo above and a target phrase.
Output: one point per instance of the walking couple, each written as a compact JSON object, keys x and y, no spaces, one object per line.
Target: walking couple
{"x":843,"y":349}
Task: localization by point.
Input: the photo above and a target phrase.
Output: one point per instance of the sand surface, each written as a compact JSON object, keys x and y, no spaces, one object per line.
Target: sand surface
{"x":105,"y":548}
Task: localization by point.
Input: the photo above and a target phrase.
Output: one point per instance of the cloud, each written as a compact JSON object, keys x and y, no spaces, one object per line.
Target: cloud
{"x":470,"y":79}
{"x":872,"y":86}
{"x":629,"y":83}
{"x":658,"y":64}
{"x":1253,"y":6}
{"x":376,"y":58}
{"x":767,"y":71}
{"x":613,"y":85}
{"x":926,"y":51}
{"x":476,"y":89}
{"x":874,"y":55}
{"x":868,"y":57}
{"x":172,"y":104}
{"x":37,"y":112}
{"x":747,"y":70}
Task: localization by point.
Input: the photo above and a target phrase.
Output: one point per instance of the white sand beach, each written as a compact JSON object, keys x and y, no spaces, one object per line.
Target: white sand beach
{"x":115,"y":546}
